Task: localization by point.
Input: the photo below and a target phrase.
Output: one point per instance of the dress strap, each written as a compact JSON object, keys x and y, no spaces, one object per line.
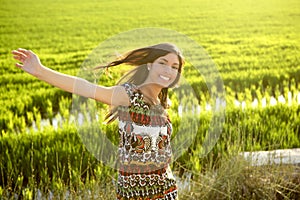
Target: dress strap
{"x":133,"y":93}
{"x":129,"y":88}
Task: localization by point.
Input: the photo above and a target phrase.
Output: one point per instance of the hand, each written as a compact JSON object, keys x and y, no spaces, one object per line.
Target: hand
{"x":31,"y":62}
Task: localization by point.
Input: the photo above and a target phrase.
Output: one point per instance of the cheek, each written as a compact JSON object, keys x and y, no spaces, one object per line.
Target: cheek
{"x":174,"y":76}
{"x":156,"y":69}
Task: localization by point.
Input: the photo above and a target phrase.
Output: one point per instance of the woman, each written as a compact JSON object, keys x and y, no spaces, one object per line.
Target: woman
{"x":140,"y":105}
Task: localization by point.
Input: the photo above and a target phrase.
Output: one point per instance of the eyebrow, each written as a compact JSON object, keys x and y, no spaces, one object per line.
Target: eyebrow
{"x":168,"y":61}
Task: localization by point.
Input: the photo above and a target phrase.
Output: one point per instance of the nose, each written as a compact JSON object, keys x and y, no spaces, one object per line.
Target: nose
{"x":168,"y":69}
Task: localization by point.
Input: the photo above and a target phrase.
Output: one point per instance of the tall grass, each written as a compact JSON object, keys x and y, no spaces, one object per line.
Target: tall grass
{"x":234,"y":178}
{"x":254,"y":44}
{"x":56,"y":162}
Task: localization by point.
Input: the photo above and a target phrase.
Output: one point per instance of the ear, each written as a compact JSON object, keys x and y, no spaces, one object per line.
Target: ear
{"x":149,"y":66}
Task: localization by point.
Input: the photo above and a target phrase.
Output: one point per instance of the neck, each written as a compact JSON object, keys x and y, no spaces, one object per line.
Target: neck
{"x":151,"y":91}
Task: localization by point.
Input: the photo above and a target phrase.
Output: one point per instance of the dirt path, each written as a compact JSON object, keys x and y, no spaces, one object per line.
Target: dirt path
{"x":280,"y":156}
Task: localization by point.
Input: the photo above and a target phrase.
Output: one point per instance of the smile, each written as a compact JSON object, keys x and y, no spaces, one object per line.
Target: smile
{"x":164,"y":77}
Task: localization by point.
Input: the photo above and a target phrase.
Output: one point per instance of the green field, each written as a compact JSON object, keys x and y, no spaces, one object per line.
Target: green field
{"x":254,"y":44}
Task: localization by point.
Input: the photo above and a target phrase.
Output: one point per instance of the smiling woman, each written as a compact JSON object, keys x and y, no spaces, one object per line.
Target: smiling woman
{"x":140,"y":101}
{"x":163,"y":71}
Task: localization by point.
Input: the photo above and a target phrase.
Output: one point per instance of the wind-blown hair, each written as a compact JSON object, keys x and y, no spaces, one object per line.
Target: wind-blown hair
{"x":140,"y":58}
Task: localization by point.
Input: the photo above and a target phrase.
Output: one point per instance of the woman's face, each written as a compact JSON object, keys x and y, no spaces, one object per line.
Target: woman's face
{"x":163,"y":71}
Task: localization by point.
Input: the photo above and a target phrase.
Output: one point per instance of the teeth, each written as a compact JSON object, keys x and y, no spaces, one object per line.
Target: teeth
{"x":164,"y":77}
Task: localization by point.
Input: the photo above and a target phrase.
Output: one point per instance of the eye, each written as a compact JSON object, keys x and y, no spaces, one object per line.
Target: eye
{"x":175,"y":67}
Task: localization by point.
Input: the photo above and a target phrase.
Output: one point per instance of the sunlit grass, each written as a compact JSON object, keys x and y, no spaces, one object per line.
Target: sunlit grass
{"x":255,"y":45}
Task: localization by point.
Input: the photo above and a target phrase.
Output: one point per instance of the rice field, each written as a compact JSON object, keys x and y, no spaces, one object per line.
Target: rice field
{"x":254,"y":46}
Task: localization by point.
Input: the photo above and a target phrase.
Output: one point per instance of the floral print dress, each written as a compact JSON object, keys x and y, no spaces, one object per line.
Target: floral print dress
{"x":144,"y":150}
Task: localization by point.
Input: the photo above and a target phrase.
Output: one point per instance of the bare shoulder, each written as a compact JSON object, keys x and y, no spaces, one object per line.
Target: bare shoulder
{"x":120,"y":96}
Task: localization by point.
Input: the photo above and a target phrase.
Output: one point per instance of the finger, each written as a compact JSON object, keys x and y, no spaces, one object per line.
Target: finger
{"x":18,"y":53}
{"x":24,"y":51}
{"x":27,"y":53}
{"x":19,"y":65}
{"x":19,"y":57}
{"x":15,"y":52}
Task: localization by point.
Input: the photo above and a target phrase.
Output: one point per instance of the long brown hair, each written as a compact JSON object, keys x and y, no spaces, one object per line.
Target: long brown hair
{"x":140,"y":58}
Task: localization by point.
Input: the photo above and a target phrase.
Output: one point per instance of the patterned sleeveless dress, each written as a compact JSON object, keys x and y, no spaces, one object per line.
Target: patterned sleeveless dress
{"x":144,"y":150}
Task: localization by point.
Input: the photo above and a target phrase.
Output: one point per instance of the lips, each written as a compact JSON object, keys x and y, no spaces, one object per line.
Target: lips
{"x":164,"y":77}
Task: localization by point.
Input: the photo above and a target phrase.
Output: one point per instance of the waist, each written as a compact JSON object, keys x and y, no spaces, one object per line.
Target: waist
{"x":148,"y":168}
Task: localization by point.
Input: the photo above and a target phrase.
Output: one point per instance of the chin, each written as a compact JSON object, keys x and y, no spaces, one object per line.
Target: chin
{"x":164,"y":85}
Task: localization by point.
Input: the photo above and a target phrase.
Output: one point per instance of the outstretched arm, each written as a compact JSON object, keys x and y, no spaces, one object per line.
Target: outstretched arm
{"x":115,"y":95}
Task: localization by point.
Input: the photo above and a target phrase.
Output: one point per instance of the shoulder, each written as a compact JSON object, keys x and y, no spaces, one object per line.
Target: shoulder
{"x":130,"y":88}
{"x":122,"y":94}
{"x":119,"y":96}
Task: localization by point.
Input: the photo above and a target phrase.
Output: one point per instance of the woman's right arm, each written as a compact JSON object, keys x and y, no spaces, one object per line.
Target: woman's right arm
{"x":115,"y":95}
